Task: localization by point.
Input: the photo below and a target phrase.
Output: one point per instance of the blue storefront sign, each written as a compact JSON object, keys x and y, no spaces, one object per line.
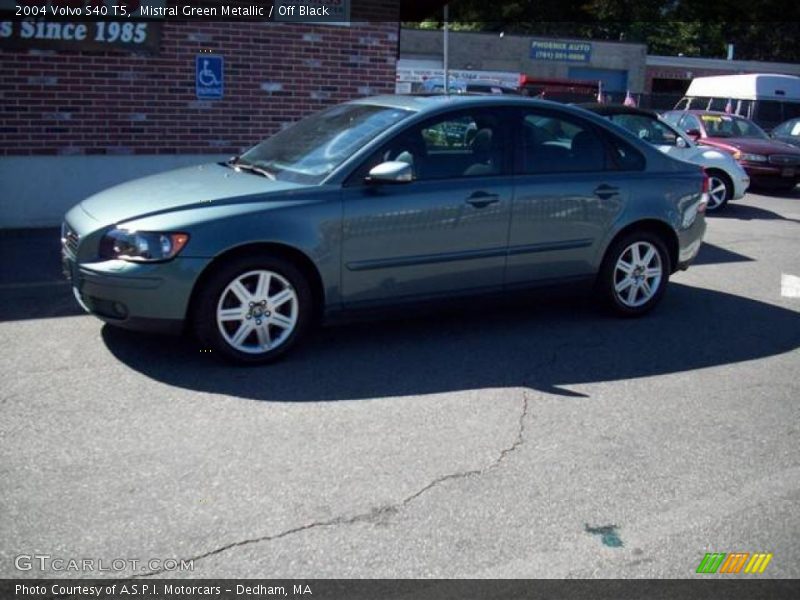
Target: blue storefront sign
{"x":561,"y":51}
{"x":209,"y":77}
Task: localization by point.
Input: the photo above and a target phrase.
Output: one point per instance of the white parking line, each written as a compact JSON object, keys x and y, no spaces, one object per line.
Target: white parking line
{"x":790,"y":286}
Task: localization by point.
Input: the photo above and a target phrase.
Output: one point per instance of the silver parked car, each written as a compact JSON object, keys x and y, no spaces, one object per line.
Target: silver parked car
{"x":728,"y":180}
{"x":371,"y":203}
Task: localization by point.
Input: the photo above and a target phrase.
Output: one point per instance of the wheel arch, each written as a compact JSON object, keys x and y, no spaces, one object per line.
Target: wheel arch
{"x":656,"y":226}
{"x":289,"y":253}
{"x":721,"y":173}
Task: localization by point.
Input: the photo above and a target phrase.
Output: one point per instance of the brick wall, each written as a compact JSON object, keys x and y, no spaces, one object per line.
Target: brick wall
{"x":68,"y":103}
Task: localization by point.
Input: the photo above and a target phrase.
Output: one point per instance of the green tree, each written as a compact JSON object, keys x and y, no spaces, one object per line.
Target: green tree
{"x":669,"y":27}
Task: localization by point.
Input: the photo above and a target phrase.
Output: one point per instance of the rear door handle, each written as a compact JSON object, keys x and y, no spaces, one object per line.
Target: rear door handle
{"x":606,"y":191}
{"x":482,"y":199}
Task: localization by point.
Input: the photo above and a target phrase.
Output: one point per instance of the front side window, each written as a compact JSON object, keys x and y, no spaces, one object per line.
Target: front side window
{"x":469,"y":143}
{"x":552,"y":144}
{"x":672,"y":117}
{"x":689,"y":122}
{"x":311,"y":149}
{"x":646,"y":128}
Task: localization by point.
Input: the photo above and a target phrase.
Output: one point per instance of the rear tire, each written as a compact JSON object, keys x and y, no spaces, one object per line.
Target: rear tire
{"x":252,"y":310}
{"x":634,"y":273}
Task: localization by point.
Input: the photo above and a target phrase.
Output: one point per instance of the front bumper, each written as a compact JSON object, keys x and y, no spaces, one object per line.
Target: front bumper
{"x":141,"y":296}
{"x":772,"y":175}
{"x":740,"y":185}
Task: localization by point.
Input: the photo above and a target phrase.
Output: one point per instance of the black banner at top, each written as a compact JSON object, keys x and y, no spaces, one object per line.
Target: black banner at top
{"x":305,"y":11}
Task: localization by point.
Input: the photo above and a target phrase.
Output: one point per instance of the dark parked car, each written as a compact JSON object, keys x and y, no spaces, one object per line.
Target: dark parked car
{"x":368,"y":204}
{"x":788,"y":132}
{"x":770,"y":163}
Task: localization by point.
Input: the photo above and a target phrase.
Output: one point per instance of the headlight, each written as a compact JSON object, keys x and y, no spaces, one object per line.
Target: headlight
{"x":141,"y":246}
{"x":749,"y":157}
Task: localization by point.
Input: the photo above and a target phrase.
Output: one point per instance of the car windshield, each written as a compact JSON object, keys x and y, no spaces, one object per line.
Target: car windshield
{"x":309,"y":150}
{"x":727,"y":126}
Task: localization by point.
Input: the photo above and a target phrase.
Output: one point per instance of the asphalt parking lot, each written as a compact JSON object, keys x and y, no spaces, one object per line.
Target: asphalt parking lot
{"x":526,"y":439}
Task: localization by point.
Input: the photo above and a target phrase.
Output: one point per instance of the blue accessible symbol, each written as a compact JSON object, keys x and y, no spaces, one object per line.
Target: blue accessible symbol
{"x":209,"y":76}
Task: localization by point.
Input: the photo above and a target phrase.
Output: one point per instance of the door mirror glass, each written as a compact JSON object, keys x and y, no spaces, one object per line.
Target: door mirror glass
{"x":392,"y":171}
{"x":681,"y":143}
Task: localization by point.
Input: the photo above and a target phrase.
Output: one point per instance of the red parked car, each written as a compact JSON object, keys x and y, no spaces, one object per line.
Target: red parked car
{"x":769,"y":162}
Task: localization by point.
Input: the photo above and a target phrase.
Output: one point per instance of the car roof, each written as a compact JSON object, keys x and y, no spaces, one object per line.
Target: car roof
{"x":433,"y":103}
{"x":616,"y":109}
{"x":697,"y":111}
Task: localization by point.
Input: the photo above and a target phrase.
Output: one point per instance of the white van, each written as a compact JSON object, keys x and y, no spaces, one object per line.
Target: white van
{"x":766,"y":99}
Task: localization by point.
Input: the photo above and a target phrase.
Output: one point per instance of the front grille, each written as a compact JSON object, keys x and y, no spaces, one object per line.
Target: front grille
{"x":787,"y":160}
{"x":69,"y":239}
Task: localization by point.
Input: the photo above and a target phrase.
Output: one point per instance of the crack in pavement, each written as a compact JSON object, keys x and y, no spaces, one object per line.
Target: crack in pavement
{"x":385,"y":510}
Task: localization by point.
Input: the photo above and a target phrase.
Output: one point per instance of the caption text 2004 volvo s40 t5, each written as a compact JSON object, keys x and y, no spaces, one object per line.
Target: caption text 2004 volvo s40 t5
{"x":381,"y":201}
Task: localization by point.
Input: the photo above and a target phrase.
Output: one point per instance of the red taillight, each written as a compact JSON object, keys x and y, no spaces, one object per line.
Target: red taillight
{"x":704,"y":193}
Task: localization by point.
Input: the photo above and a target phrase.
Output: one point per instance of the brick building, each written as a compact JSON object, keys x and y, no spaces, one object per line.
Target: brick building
{"x":77,"y":120}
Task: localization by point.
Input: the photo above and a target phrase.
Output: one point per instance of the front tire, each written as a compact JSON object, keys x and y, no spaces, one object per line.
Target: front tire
{"x":635,"y":273}
{"x":720,"y":190}
{"x":253,"y":309}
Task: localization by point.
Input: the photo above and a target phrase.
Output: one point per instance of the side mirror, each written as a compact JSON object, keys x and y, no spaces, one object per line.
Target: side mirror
{"x":681,"y":143}
{"x":693,"y":133}
{"x":392,"y":171}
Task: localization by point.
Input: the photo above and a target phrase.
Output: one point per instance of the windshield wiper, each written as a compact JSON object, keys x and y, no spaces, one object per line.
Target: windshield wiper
{"x":238,"y":164}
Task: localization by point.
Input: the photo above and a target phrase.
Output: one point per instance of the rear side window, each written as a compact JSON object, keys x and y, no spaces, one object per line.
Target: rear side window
{"x":769,"y":111}
{"x":791,"y":110}
{"x":624,"y":156}
{"x":717,"y":104}
{"x":552,"y":144}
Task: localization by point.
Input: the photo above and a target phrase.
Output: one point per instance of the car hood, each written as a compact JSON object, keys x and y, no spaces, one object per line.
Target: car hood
{"x":182,"y":188}
{"x":709,"y":156}
{"x":753,"y":146}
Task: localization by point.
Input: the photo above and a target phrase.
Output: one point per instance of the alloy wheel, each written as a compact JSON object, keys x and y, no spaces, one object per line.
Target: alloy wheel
{"x":257,"y":311}
{"x":717,"y":192}
{"x":638,"y":274}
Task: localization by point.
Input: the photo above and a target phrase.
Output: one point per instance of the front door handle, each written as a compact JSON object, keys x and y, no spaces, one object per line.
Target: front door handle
{"x":482,"y":199}
{"x":606,"y":191}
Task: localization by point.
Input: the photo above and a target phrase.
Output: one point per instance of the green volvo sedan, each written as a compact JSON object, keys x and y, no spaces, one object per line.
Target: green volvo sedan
{"x":386,"y":200}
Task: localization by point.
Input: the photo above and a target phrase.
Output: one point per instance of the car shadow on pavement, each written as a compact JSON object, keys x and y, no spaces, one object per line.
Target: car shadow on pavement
{"x":712,"y":255}
{"x":778,"y":193}
{"x":542,"y":345}
{"x":745,"y":212}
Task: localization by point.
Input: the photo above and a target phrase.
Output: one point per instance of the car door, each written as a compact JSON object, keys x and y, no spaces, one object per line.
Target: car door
{"x":568,"y":190}
{"x":444,"y":232}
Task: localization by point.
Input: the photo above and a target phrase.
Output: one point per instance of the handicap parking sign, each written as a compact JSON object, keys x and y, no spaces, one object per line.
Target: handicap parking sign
{"x":210,"y":77}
